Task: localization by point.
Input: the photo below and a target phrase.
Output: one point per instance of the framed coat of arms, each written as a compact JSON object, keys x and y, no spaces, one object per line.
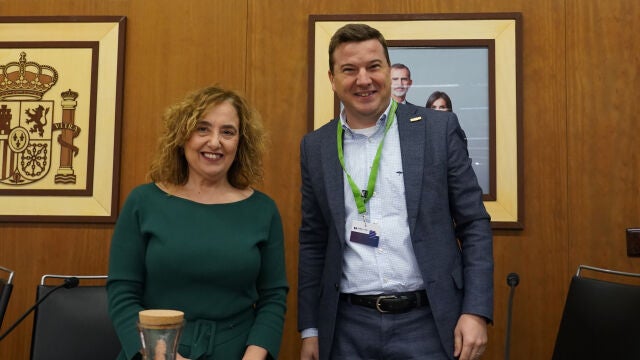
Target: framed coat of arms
{"x":61,"y":82}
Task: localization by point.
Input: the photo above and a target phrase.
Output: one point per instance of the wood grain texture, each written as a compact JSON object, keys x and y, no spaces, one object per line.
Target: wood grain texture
{"x":171,"y":48}
{"x":579,"y":72}
{"x":603,"y":47}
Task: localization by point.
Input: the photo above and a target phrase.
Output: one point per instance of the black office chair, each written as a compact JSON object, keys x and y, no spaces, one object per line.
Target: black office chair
{"x":73,"y":323}
{"x":601,"y":319}
{"x":6,"y":286}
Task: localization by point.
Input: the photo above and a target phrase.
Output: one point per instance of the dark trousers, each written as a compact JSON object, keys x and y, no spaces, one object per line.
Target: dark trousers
{"x":365,"y":334}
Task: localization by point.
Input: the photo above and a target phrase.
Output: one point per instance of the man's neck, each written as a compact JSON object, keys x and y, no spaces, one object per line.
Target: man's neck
{"x":360,"y":124}
{"x":399,"y":100}
{"x":363,"y":122}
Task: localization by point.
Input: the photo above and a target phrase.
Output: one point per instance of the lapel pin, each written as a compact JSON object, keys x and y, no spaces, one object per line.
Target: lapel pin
{"x":417,"y":118}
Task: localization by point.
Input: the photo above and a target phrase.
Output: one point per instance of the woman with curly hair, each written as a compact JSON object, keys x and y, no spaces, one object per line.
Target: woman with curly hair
{"x":200,"y":239}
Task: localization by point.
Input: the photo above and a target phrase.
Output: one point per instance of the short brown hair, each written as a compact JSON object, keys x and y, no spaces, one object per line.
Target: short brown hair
{"x":170,"y":164}
{"x":355,"y":33}
{"x":402,"y":67}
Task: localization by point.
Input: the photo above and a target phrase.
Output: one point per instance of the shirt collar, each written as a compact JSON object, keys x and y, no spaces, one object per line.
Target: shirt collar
{"x":380,"y":123}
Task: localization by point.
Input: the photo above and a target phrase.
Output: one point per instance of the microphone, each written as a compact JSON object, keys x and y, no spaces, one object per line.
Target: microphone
{"x":513,"y":279}
{"x":68,"y":283}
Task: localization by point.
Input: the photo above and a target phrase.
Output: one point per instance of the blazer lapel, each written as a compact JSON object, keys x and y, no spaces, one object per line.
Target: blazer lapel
{"x":411,"y":128}
{"x":334,"y":180}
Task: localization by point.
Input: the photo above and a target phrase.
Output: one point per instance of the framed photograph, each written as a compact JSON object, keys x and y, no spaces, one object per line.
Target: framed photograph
{"x":61,"y":83}
{"x":472,"y":60}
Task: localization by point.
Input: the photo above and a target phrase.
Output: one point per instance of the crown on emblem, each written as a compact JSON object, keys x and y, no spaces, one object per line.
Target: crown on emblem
{"x":69,"y":95}
{"x":26,"y":79}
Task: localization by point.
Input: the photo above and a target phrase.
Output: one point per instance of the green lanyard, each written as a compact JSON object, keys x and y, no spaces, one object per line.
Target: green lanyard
{"x":363,"y":196}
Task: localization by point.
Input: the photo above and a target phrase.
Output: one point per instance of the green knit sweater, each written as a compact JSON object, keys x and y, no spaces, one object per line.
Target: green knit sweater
{"x":212,"y":262}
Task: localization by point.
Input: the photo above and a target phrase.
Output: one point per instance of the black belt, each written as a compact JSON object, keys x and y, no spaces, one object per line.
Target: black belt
{"x":389,"y":303}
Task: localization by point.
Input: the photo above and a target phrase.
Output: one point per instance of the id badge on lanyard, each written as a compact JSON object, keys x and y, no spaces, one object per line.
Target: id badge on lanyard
{"x":365,"y":233}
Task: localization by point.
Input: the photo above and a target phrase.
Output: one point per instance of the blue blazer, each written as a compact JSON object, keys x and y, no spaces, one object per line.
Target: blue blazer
{"x":449,"y":226}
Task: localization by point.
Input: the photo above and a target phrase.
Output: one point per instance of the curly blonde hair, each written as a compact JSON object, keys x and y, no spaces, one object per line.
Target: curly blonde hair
{"x":170,"y":164}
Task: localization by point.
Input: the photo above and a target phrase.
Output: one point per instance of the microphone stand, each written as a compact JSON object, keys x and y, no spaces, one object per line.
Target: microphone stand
{"x":513,"y":279}
{"x":69,"y":283}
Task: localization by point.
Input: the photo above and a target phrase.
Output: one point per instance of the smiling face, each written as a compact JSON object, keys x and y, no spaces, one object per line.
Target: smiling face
{"x":361,"y":79}
{"x":400,"y":83}
{"x":212,"y":147}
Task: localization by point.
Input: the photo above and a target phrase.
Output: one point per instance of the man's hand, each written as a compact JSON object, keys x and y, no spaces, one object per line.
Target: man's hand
{"x":309,"y":349}
{"x":470,"y":337}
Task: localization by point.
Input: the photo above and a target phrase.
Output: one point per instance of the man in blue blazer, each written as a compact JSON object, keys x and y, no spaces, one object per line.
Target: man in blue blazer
{"x":400,"y":82}
{"x":396,"y":256}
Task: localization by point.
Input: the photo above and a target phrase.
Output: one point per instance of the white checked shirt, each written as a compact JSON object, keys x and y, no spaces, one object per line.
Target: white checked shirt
{"x":392,"y":266}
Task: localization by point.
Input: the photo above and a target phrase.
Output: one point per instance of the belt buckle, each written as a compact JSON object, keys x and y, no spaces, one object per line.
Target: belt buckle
{"x":382,"y":297}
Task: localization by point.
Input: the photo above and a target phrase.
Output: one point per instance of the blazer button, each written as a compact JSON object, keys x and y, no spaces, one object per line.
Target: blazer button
{"x":337,"y":286}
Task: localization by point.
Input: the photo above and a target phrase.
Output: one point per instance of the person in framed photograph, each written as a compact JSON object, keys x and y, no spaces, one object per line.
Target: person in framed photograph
{"x":396,"y":249}
{"x":439,"y":100}
{"x":400,"y":82}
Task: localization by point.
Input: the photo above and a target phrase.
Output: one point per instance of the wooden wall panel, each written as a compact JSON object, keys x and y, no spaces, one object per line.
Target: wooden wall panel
{"x":603,"y":47}
{"x":171,"y":48}
{"x":579,"y":70}
{"x":276,"y":73}
{"x":538,"y":253}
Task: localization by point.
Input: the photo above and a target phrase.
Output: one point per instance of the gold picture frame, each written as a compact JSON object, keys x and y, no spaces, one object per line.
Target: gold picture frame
{"x":502,"y":31}
{"x":61,"y":84}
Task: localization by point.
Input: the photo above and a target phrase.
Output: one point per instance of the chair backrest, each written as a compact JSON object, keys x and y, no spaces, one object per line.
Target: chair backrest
{"x":73,"y":323}
{"x":600,"y":319}
{"x":6,"y":286}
